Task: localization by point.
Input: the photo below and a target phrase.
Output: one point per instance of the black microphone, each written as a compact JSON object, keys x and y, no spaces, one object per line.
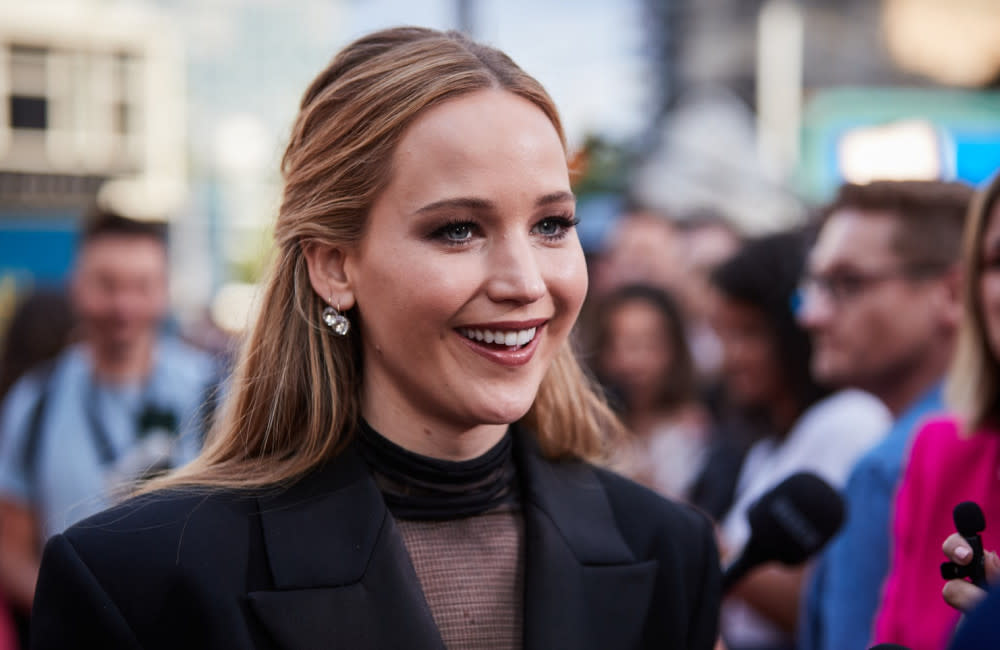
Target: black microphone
{"x":969,"y":521}
{"x":788,"y":524}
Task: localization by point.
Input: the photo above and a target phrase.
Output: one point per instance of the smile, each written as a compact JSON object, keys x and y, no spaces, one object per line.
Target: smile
{"x":510,"y":344}
{"x":509,"y":338}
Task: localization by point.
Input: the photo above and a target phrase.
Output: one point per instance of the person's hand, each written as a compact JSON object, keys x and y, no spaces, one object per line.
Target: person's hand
{"x":960,"y":594}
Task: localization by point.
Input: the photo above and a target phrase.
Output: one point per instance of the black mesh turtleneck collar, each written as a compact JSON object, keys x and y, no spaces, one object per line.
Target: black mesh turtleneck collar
{"x":422,"y":488}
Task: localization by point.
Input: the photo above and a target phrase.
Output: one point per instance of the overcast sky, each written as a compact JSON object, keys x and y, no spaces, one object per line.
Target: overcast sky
{"x":255,"y":57}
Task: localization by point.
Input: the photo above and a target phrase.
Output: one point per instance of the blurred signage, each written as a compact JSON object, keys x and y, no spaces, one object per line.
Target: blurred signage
{"x":37,"y":251}
{"x":865,"y":134}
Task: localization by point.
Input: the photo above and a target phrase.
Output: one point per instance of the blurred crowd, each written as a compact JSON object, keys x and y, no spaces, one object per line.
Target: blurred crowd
{"x":861,"y":346}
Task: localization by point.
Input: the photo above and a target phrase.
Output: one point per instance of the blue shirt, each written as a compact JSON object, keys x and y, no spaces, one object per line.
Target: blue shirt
{"x":845,"y":590}
{"x":979,"y":630}
{"x":95,"y":438}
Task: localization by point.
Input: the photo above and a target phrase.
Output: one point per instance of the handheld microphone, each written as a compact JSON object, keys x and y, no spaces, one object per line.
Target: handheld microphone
{"x":969,"y":521}
{"x":788,"y":524}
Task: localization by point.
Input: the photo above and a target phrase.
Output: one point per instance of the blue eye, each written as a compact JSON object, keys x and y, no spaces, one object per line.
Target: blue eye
{"x":555,"y":227}
{"x":458,"y":232}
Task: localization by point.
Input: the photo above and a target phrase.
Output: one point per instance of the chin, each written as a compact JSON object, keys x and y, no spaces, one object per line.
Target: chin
{"x":503,"y":413}
{"x":826,"y":371}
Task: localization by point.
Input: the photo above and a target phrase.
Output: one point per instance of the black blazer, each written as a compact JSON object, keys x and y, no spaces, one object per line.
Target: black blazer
{"x":321,"y":564}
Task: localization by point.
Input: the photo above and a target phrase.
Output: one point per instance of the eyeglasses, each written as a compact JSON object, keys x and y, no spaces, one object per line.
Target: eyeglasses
{"x":843,"y":286}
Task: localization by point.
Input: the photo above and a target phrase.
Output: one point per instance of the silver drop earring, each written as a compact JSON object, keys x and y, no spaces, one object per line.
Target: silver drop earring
{"x":335,"y":320}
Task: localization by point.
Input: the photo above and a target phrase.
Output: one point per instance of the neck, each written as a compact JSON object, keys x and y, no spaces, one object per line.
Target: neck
{"x":124,"y":363}
{"x":435,"y":440}
{"x":783,"y":414}
{"x":906,"y":385}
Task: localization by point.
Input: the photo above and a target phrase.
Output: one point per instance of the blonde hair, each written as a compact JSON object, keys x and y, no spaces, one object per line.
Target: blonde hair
{"x":973,"y":383}
{"x":295,"y":395}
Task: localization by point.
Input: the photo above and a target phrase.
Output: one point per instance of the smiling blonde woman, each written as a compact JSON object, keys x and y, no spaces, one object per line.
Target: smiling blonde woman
{"x":403,"y":458}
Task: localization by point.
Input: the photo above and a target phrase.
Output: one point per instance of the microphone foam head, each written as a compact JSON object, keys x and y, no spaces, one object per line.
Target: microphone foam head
{"x":794,"y":520}
{"x":969,"y":520}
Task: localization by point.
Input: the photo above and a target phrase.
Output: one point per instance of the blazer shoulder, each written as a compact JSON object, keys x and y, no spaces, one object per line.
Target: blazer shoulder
{"x":166,"y":531}
{"x":160,"y":570}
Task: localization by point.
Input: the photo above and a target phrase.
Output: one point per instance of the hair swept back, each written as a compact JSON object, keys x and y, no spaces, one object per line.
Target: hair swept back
{"x":932,"y":214}
{"x":295,"y":394}
{"x":973,"y":382}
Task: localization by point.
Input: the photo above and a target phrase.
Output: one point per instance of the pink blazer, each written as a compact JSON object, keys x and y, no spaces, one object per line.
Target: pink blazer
{"x":942,"y":471}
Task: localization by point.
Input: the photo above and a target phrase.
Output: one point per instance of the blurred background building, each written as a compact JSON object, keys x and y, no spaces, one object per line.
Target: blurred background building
{"x":754,"y":109}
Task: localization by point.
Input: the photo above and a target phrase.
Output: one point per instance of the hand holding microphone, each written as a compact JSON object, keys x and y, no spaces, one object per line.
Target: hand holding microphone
{"x":967,"y":559}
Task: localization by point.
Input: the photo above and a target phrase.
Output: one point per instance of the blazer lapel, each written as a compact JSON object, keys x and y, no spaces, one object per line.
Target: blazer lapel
{"x":584,"y":587}
{"x":342,"y":575}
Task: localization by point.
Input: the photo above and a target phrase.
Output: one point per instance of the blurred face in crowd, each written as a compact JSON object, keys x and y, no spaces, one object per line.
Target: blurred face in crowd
{"x":750,"y":367}
{"x":637,"y":354}
{"x":643,"y":250}
{"x":120,"y":290}
{"x":870,"y":319}
{"x":470,"y":274}
{"x":989,"y":280}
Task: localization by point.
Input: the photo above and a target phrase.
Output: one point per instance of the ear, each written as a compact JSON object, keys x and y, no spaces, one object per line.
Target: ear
{"x":327,"y":273}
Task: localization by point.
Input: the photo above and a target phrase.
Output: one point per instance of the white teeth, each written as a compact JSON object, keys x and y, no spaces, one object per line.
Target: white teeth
{"x":510,"y":338}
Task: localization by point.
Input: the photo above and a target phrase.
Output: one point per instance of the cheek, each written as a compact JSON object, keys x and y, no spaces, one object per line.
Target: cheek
{"x":760,"y":358}
{"x":404,"y":296}
{"x":567,"y":280}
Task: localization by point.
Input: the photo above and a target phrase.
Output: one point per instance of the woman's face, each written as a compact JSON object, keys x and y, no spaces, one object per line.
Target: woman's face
{"x":470,"y":274}
{"x":989,"y":280}
{"x":637,"y":356}
{"x":750,"y":367}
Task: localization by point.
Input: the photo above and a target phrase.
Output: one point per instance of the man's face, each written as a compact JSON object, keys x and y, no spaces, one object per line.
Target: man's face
{"x":871,"y":322}
{"x":120,"y":289}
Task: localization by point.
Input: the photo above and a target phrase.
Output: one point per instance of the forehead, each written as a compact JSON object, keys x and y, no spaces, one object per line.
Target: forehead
{"x":123,"y":254}
{"x":854,"y":238}
{"x":476,"y":143}
{"x":643,"y":229}
{"x":633,"y":310}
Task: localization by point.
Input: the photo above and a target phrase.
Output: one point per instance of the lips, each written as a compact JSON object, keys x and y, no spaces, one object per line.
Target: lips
{"x":508,"y":344}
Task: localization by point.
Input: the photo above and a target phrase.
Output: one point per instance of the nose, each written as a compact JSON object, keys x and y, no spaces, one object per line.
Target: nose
{"x":515,"y":274}
{"x":812,"y":307}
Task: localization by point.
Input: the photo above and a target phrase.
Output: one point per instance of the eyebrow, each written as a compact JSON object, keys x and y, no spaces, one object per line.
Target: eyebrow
{"x":472,"y":203}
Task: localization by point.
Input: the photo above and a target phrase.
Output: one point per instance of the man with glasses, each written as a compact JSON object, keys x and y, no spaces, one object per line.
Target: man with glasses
{"x":880,"y":299}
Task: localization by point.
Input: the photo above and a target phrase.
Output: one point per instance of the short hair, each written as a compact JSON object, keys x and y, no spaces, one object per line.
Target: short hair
{"x":100,"y":222}
{"x":973,"y":382}
{"x":764,"y":275}
{"x":933,"y":213}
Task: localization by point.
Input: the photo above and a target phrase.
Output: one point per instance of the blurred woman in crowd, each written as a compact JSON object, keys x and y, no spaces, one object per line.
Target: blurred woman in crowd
{"x":644,"y":360}
{"x":952,"y":459}
{"x":38,"y":331}
{"x":401,"y":461}
{"x":766,"y":373}
{"x":41,"y":326}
